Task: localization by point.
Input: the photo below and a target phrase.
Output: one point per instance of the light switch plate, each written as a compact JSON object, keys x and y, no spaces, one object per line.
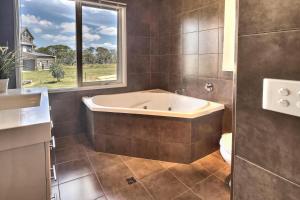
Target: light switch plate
{"x":282,"y":96}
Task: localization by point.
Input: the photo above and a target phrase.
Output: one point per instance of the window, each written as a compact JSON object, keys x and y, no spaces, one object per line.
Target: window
{"x":69,"y":44}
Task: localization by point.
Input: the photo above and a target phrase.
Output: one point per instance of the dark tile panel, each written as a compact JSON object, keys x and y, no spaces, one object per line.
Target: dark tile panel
{"x":175,"y":130}
{"x":87,"y":187}
{"x":146,"y":128}
{"x":164,"y":44}
{"x":115,"y":144}
{"x":268,"y":186}
{"x":175,"y":82}
{"x":190,"y":65}
{"x":209,"y":17}
{"x":67,"y":128}
{"x":270,"y":15}
{"x":221,"y":12}
{"x":192,"y":4}
{"x":144,"y":149}
{"x":69,"y":154}
{"x":164,"y":138}
{"x":138,"y":45}
{"x":164,"y":63}
{"x":208,"y":41}
{"x":159,"y":81}
{"x":175,"y":152}
{"x":73,"y":170}
{"x":190,"y":22}
{"x":207,"y":127}
{"x":190,"y":43}
{"x":176,"y":23}
{"x":175,"y":65}
{"x":176,"y":44}
{"x":208,"y":66}
{"x":275,"y":134}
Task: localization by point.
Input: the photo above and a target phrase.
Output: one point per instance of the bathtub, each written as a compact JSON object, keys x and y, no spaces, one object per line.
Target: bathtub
{"x":154,"y":124}
{"x":152,"y":102}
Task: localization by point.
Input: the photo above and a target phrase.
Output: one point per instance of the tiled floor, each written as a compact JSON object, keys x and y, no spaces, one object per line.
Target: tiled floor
{"x":84,"y":174}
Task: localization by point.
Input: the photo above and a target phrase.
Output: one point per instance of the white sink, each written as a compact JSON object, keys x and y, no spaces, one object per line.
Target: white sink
{"x":8,"y":102}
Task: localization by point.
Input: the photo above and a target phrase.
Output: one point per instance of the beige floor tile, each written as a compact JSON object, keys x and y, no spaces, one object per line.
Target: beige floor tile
{"x":212,"y":189}
{"x":163,"y":185}
{"x":114,"y":178}
{"x":189,"y":195}
{"x":130,"y":192}
{"x":189,"y":174}
{"x":143,"y":167}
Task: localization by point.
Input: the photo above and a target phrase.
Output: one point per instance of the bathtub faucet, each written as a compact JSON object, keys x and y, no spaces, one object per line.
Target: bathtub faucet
{"x":180,"y":91}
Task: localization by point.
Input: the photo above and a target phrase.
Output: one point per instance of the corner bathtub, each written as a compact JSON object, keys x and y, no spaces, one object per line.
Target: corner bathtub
{"x":152,"y":102}
{"x":154,"y":124}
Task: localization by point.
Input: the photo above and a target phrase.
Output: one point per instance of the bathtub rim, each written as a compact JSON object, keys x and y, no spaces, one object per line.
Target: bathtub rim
{"x":211,"y":108}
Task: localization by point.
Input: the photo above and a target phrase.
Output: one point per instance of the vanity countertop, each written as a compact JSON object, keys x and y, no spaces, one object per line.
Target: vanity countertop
{"x":22,"y":117}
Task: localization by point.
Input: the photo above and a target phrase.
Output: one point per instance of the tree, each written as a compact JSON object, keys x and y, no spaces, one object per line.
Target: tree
{"x":57,"y":71}
{"x":89,"y":56}
{"x":63,"y":53}
{"x":103,"y":55}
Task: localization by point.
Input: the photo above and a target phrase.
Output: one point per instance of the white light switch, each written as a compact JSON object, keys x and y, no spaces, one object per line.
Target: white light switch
{"x":282,"y":96}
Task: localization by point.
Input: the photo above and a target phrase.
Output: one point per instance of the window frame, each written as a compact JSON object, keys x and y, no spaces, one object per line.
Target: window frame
{"x":121,"y":48}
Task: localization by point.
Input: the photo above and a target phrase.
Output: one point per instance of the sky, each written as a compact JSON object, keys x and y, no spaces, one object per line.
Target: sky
{"x":53,"y":22}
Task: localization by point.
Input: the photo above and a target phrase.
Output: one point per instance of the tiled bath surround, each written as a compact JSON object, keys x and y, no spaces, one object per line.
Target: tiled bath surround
{"x":267,"y":164}
{"x":160,"y":138}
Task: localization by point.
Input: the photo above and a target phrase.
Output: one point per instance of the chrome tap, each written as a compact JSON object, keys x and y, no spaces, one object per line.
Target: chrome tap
{"x":180,"y":91}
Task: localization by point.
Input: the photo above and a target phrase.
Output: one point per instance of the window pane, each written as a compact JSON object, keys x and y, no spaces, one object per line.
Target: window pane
{"x":48,"y":43}
{"x":100,"y":39}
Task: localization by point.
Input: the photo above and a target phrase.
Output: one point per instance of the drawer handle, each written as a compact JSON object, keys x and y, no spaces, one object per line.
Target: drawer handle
{"x":53,"y":143}
{"x":54,"y":173}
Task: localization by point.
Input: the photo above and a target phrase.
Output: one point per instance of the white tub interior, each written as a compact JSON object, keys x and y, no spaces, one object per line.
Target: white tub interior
{"x":152,"y":102}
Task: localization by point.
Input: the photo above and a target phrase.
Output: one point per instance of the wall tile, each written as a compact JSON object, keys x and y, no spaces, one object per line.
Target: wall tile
{"x":164,"y":44}
{"x":176,"y":44}
{"x":269,"y":15}
{"x":190,"y":65}
{"x":209,"y":17}
{"x":272,"y":54}
{"x":208,"y":65}
{"x":266,"y":186}
{"x":190,"y":43}
{"x":208,"y":41}
{"x":190,"y":22}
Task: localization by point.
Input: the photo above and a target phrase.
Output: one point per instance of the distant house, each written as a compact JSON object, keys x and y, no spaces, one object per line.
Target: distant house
{"x":33,"y":60}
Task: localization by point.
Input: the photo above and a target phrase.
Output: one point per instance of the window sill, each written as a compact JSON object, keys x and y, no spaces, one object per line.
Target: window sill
{"x":83,"y":88}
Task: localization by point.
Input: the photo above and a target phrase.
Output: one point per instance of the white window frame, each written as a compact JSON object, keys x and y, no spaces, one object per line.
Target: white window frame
{"x":122,"y":51}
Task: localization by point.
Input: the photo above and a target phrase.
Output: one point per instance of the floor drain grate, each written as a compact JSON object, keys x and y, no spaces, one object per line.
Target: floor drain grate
{"x":131,"y":180}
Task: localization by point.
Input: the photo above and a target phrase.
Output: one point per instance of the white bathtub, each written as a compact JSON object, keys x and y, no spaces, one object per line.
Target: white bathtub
{"x":152,"y":102}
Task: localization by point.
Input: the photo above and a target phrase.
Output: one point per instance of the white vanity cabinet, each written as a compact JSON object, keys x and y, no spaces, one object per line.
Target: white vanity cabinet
{"x":25,"y":137}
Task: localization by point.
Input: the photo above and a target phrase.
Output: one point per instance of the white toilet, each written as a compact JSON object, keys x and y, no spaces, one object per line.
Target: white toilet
{"x":226,"y":151}
{"x":226,"y":147}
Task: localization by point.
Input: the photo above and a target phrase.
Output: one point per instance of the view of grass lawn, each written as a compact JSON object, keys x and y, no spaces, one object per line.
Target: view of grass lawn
{"x":91,"y":72}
